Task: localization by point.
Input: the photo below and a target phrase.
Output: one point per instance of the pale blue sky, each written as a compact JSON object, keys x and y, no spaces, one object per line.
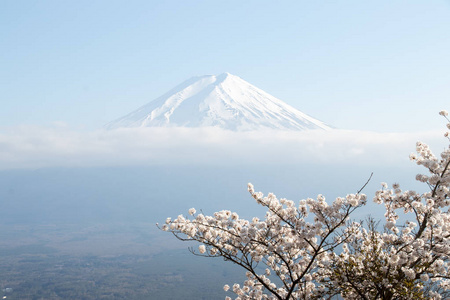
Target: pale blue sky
{"x":367,"y":65}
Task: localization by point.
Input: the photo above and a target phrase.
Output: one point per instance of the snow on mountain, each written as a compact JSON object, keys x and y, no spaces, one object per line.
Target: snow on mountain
{"x":224,"y":101}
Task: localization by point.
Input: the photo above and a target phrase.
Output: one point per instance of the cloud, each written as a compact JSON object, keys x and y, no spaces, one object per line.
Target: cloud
{"x":59,"y":146}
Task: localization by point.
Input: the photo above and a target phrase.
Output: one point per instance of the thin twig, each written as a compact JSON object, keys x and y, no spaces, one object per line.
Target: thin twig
{"x":365,"y":183}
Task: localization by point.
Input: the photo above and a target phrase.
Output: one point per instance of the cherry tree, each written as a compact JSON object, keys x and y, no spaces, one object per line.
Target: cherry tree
{"x":312,"y":249}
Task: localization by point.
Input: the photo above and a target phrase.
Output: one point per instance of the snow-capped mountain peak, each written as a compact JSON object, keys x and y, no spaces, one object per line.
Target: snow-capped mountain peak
{"x":224,"y":101}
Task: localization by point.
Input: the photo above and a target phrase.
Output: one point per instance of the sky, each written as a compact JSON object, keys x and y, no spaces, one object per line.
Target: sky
{"x":378,"y":71}
{"x":379,"y":66}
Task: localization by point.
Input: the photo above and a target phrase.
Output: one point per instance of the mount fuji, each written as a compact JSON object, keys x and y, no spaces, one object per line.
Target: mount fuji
{"x":225,"y":101}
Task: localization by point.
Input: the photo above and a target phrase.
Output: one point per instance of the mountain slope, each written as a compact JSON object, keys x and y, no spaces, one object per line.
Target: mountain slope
{"x":224,"y":101}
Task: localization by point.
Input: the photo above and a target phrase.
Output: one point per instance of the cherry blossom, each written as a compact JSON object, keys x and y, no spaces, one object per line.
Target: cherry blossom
{"x":311,"y":249}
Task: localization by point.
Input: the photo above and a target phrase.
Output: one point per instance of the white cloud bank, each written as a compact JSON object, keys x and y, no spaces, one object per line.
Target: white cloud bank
{"x":38,"y":147}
